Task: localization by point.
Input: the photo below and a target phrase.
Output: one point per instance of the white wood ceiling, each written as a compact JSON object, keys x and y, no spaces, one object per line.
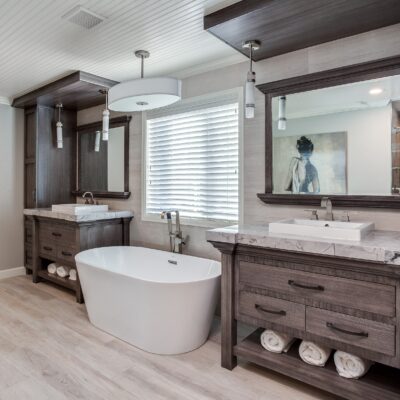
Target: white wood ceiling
{"x":38,"y":46}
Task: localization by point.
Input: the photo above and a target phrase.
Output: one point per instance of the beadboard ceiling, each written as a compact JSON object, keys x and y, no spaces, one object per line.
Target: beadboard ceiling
{"x":38,"y":46}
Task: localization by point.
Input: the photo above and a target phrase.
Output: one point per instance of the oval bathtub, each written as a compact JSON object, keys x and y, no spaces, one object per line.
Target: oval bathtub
{"x":158,"y":301}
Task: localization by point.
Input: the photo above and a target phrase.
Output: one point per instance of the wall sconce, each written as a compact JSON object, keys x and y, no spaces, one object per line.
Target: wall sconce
{"x":282,"y":113}
{"x":97,"y":142}
{"x":59,"y":126}
{"x":106,"y":116}
{"x":250,"y":102}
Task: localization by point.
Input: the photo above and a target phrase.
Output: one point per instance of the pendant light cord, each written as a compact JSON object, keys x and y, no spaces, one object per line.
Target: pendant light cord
{"x":59,"y":113}
{"x":142,"y":69}
{"x":251,"y":58}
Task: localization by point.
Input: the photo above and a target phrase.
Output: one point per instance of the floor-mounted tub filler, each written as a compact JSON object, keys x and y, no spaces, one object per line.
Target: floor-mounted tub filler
{"x":157,"y":301}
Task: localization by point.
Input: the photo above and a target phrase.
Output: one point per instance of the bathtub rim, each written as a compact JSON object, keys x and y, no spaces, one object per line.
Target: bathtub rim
{"x":208,"y":278}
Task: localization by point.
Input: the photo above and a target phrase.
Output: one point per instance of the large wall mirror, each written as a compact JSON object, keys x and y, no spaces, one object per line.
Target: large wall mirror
{"x":103,"y":166}
{"x":335,"y":134}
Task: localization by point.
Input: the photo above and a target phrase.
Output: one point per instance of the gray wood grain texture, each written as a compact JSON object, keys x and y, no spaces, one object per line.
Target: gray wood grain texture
{"x":330,"y":289}
{"x":271,"y":309}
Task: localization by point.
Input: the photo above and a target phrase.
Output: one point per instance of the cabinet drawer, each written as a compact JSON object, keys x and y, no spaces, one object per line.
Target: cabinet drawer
{"x":329,"y":289}
{"x":272,"y":310}
{"x":66,"y":254}
{"x":58,"y":233}
{"x":48,"y":249}
{"x":366,"y":334}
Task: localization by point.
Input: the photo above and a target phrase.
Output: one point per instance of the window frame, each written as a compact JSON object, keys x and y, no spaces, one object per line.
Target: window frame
{"x":197,"y":222}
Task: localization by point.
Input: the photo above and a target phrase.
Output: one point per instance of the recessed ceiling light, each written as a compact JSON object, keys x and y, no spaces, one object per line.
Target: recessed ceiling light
{"x":375,"y":91}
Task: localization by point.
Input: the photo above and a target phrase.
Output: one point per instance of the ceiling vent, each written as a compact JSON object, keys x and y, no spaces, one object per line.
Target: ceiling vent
{"x":83,"y":17}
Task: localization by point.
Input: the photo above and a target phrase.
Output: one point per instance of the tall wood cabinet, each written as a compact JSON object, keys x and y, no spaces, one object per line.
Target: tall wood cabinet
{"x":49,"y":171}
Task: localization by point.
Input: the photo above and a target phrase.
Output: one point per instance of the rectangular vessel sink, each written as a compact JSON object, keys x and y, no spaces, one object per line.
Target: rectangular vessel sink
{"x":323,"y":229}
{"x":79,"y":209}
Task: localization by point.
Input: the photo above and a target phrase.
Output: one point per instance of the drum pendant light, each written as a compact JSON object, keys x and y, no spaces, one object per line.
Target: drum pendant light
{"x":144,"y":93}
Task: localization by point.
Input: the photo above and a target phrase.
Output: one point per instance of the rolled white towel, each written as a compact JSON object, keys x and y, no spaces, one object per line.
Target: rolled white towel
{"x":52,"y":268}
{"x":72,"y":274}
{"x":62,"y":272}
{"x":350,"y":366}
{"x":275,"y":341}
{"x":314,"y":354}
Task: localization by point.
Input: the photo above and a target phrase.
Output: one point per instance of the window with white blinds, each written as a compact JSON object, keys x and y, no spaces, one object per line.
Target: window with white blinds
{"x":192,"y":160}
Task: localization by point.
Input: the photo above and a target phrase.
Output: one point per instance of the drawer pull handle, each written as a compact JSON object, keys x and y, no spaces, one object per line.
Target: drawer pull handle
{"x":66,"y":253}
{"x":302,"y":286}
{"x":335,"y":328}
{"x":56,"y":234}
{"x":260,"y":308}
{"x":47,"y":248}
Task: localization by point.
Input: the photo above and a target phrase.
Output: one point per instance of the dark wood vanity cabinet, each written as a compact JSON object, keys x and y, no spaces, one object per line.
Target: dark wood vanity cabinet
{"x":344,"y":304}
{"x":56,"y":240}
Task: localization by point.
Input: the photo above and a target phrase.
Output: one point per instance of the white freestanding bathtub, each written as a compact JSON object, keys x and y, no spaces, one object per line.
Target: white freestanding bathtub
{"x":158,"y":301}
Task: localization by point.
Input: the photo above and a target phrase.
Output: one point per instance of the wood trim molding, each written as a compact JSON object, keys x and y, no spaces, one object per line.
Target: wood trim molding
{"x":336,"y":76}
{"x":54,"y":91}
{"x":224,"y":248}
{"x":333,"y":77}
{"x":116,"y":121}
{"x":12,"y":272}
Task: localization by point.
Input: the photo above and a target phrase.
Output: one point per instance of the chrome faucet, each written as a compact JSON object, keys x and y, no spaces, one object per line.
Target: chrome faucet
{"x":327,"y":204}
{"x":87,"y":201}
{"x":176,"y":241}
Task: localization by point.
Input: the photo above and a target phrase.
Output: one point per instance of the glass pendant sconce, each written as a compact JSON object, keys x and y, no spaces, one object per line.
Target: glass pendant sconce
{"x":97,"y":142}
{"x":59,"y":127}
{"x":106,"y":117}
{"x":144,"y":93}
{"x":250,"y":101}
{"x":282,"y":113}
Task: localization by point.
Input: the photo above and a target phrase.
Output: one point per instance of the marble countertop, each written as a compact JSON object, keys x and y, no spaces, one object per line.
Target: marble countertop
{"x":94,"y":216}
{"x":378,"y":246}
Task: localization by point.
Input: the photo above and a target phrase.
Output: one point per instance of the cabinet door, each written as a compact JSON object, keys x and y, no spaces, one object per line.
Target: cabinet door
{"x":30,"y":185}
{"x":30,"y":135}
{"x":55,"y":167}
{"x":30,"y":157}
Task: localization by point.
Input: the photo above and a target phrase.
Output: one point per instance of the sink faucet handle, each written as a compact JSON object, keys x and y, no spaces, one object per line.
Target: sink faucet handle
{"x":345,"y":217}
{"x":314,"y":214}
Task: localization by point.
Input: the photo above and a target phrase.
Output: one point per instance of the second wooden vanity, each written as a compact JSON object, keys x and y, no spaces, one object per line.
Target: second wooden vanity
{"x":346,"y":304}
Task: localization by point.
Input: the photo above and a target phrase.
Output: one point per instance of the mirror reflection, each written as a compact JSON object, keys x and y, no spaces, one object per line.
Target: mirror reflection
{"x":102,"y":163}
{"x":338,"y":140}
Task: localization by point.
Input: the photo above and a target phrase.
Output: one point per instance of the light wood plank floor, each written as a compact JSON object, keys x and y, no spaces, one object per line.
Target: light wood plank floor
{"x":49,"y":350}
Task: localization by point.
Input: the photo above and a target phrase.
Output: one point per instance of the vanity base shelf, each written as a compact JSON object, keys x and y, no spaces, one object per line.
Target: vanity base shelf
{"x":381,"y":382}
{"x":65,"y":282}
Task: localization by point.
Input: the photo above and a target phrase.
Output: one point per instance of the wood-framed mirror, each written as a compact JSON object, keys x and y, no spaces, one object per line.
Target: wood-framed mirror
{"x":102,"y":167}
{"x":335,"y":134}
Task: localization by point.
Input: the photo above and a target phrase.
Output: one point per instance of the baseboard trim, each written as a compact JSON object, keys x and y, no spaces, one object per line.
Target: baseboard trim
{"x":10,"y":273}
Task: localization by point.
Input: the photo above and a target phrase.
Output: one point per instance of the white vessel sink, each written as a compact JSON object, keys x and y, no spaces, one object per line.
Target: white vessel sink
{"x":323,"y":229}
{"x":78,"y":209}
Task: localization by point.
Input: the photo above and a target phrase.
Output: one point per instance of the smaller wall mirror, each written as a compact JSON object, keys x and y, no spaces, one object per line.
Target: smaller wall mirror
{"x":103,"y":166}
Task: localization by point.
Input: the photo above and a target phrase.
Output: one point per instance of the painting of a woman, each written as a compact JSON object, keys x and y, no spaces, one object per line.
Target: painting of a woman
{"x":303,"y":175}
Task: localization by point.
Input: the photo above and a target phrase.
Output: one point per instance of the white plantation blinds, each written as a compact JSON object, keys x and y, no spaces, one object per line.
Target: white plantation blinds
{"x":193,"y":160}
